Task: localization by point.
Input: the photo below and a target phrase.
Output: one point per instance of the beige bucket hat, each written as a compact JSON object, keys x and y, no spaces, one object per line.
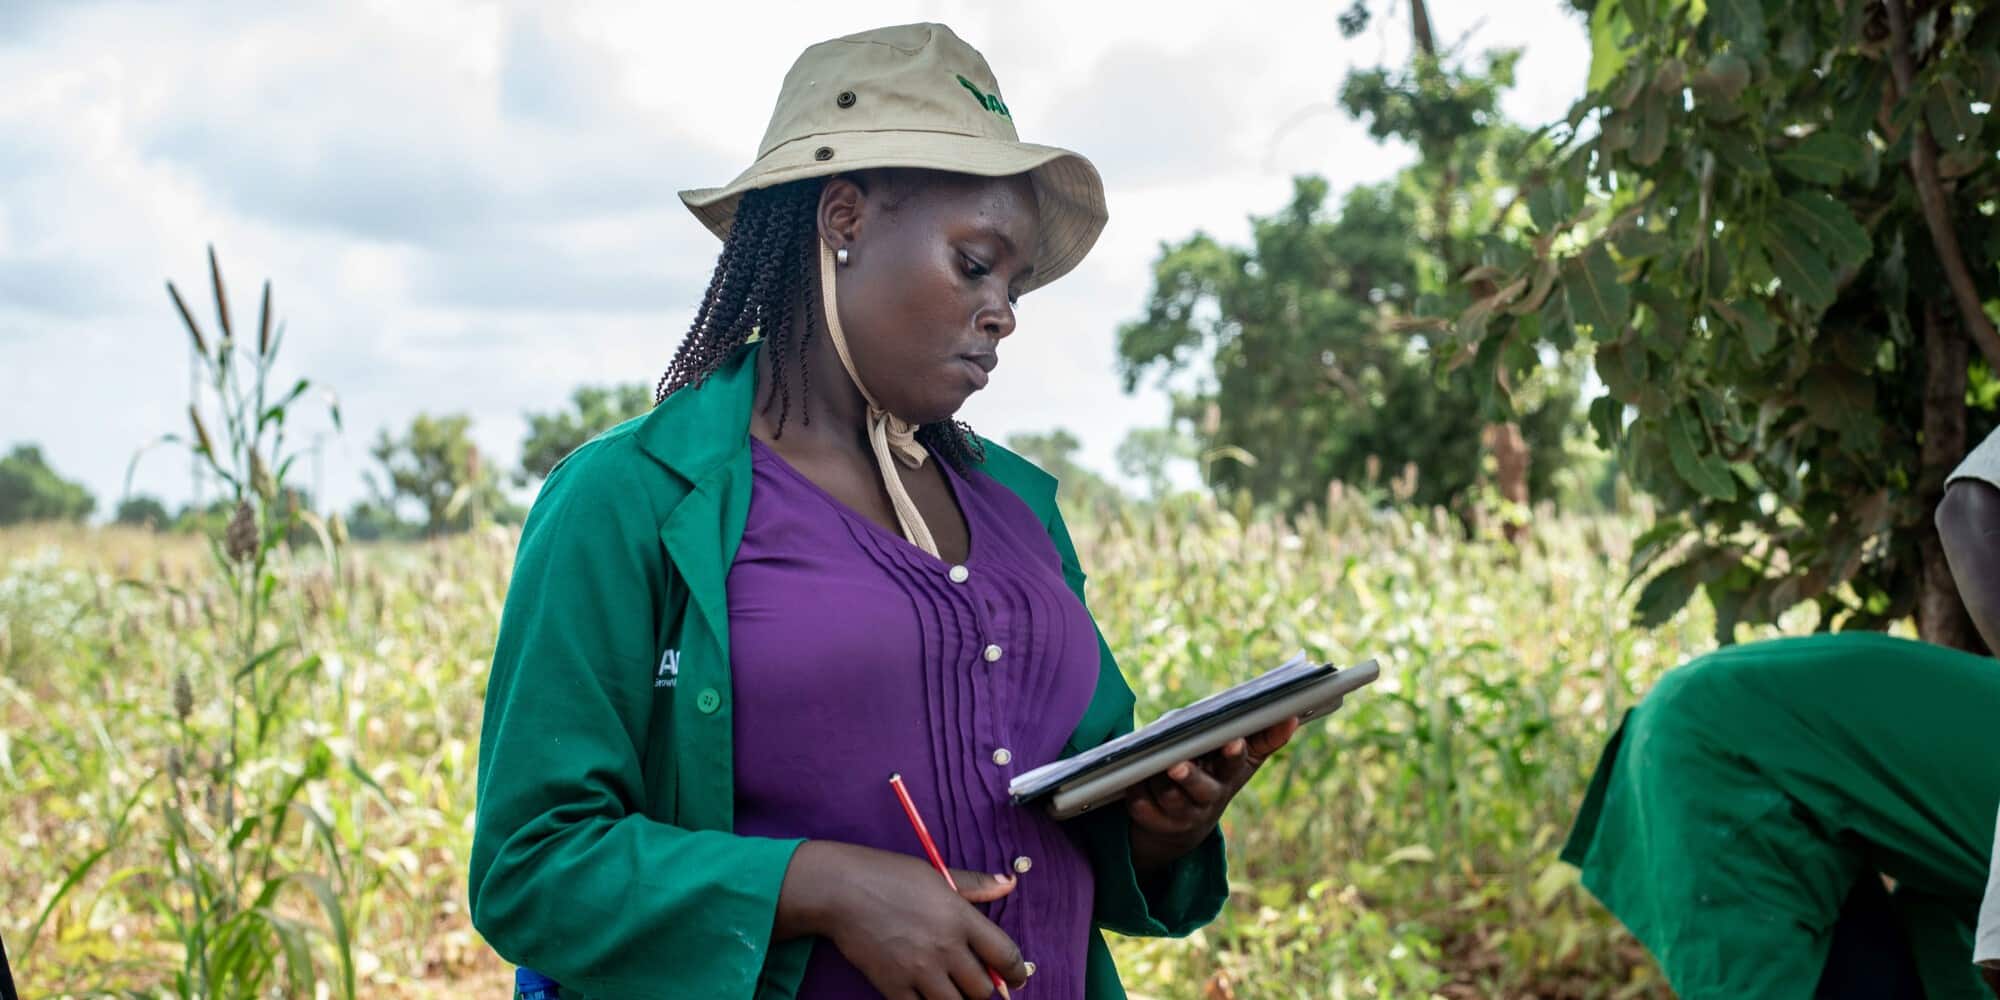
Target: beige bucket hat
{"x":915,"y":95}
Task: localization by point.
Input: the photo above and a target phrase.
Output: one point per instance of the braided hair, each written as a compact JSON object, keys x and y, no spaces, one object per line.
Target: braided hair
{"x":761,"y":281}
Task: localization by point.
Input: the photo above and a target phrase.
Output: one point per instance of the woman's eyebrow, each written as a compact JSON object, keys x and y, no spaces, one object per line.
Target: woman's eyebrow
{"x":994,"y":231}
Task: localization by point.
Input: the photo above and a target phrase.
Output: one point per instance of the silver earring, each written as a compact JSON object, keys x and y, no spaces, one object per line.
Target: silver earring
{"x":840,"y":256}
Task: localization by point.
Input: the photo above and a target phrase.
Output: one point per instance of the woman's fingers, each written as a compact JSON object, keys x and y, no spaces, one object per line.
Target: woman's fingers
{"x":979,"y":887}
{"x":993,"y":949}
{"x":1197,"y":786}
{"x":969,"y":979}
{"x":939,"y":984}
{"x":1146,"y":812}
{"x":1266,"y":743}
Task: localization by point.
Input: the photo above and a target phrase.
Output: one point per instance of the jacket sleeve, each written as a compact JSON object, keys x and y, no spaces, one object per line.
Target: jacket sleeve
{"x":1190,"y":892}
{"x":568,"y":874}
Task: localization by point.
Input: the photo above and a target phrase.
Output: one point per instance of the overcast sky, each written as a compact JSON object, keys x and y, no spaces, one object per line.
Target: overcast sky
{"x":470,"y":206}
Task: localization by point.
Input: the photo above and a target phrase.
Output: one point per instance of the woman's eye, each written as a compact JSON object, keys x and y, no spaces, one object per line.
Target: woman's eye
{"x":973,"y":268}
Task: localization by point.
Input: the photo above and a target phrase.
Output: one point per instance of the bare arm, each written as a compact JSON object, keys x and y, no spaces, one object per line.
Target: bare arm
{"x":1968,"y":522}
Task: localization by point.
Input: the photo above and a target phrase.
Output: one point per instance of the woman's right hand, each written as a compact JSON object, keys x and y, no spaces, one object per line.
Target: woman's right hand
{"x":896,"y":920}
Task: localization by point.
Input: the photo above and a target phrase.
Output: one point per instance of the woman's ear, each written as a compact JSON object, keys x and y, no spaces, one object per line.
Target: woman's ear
{"x":841,"y":204}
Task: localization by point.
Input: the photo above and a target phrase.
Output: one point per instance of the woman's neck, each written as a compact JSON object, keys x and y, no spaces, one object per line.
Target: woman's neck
{"x":833,"y":414}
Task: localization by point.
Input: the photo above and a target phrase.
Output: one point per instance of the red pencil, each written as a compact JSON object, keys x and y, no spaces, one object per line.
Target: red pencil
{"x":937,"y":860}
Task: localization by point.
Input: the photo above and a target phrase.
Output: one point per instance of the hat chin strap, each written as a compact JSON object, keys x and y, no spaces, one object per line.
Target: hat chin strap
{"x":892,"y":438}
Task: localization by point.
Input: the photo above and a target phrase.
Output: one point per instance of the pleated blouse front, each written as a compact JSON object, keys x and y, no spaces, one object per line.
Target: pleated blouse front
{"x":855,"y":654}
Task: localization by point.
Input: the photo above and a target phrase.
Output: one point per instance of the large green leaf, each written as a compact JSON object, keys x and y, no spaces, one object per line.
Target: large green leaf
{"x":1823,"y":157}
{"x":1609,"y":29}
{"x":1719,"y":85}
{"x":1652,"y":140}
{"x":1828,"y":224}
{"x":1800,"y":265}
{"x":1838,"y":398}
{"x":1948,"y":109}
{"x":1753,"y":321}
{"x":1607,"y":418}
{"x":1740,"y":23}
{"x":1737,"y":150}
{"x":1666,"y":594}
{"x":1596,"y":298}
{"x":1698,"y":466}
{"x":1623,"y":366}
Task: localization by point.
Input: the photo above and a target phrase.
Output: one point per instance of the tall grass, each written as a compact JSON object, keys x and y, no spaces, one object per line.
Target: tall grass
{"x":1406,"y":847}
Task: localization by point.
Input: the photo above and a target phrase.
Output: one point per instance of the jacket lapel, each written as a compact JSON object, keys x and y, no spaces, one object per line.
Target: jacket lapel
{"x":702,"y":434}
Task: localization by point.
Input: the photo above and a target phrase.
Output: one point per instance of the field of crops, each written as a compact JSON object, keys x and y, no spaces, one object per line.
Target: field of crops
{"x":1405,"y":849}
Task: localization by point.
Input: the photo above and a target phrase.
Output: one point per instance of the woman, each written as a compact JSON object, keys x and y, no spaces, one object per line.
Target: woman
{"x":730,"y":620}
{"x":1743,"y":815}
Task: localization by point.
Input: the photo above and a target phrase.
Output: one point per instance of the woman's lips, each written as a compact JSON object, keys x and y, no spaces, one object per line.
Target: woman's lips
{"x":979,"y":367}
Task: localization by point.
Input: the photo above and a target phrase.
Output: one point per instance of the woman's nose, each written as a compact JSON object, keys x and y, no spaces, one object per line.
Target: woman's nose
{"x":997,"y":321}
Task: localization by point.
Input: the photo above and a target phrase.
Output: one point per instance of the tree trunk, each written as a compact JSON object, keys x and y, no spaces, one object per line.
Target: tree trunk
{"x":1510,"y":452}
{"x":1420,"y":25}
{"x":1941,"y":616}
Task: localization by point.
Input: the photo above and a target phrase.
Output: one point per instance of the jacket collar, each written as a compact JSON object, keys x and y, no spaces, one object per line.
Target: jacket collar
{"x":695,"y":430}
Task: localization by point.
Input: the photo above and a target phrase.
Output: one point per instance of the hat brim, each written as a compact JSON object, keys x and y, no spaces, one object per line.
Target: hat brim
{"x":1067,"y":188}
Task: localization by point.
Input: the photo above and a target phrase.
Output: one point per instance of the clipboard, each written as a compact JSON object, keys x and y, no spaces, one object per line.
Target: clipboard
{"x":1075,"y":785}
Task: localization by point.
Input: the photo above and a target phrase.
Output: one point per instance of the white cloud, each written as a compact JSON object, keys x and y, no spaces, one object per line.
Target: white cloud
{"x":470,"y":205}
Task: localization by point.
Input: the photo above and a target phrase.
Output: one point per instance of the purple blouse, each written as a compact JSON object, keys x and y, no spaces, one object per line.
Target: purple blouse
{"x":856,"y":654}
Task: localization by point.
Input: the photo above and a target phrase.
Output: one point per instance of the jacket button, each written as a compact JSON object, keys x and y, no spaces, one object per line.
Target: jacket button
{"x":992,"y":652}
{"x":959,"y":574}
{"x":708,"y":701}
{"x":1023,"y":863}
{"x":1002,"y":756}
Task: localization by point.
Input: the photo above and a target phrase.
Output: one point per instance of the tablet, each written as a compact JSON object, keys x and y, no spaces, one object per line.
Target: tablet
{"x":1078,"y":784}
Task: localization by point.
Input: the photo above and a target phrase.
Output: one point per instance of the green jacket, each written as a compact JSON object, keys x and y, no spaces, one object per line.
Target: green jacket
{"x":602,"y":852}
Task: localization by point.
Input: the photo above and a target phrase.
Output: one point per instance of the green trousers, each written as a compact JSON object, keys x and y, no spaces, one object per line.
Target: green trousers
{"x":1743,"y":800}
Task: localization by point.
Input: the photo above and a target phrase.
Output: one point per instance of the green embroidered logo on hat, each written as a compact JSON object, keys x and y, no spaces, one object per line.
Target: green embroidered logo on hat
{"x":988,"y":101}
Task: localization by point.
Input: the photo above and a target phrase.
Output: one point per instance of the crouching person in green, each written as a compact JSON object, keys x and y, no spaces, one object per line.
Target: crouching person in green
{"x":1744,"y":815}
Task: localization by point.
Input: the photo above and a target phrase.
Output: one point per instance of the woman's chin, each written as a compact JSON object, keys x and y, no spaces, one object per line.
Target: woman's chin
{"x":937,"y":409}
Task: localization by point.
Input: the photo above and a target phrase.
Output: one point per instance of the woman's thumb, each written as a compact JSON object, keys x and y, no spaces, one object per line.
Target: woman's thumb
{"x":979,"y":887}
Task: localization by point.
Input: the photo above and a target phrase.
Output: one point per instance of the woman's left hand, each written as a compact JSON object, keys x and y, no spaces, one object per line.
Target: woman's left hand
{"x":1172,"y":813}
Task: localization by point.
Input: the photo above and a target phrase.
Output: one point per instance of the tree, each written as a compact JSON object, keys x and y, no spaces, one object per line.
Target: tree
{"x":1772,"y":227}
{"x":376,"y":520}
{"x":31,"y":491}
{"x":1055,"y":451}
{"x":1321,"y":366}
{"x":436,"y":465}
{"x":1311,"y":375}
{"x":595,"y":409}
{"x":143,"y":511}
{"x":1147,"y":453}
